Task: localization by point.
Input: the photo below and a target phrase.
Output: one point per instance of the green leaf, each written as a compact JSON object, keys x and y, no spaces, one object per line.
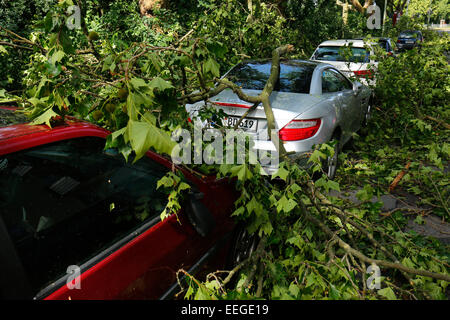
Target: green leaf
{"x":316,"y":156}
{"x":335,"y":294}
{"x":388,"y":293}
{"x":282,"y":173}
{"x":239,"y":211}
{"x":183,"y":186}
{"x":285,"y":204}
{"x":3,"y":50}
{"x":138,"y":83}
{"x":213,"y":67}
{"x":160,"y":84}
{"x":294,"y":290}
{"x":143,"y":135}
{"x":45,"y":118}
{"x":107,"y":63}
{"x":166,"y":182}
{"x":242,"y":172}
{"x":57,"y":56}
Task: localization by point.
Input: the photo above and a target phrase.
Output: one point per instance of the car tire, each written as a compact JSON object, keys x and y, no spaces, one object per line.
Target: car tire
{"x":243,"y":245}
{"x":365,"y":123}
{"x":330,"y":164}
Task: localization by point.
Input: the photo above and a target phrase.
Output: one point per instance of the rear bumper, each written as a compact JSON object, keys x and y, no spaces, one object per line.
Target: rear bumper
{"x":407,"y":46}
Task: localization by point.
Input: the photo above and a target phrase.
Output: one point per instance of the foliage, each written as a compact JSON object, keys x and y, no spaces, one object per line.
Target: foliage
{"x":133,"y":77}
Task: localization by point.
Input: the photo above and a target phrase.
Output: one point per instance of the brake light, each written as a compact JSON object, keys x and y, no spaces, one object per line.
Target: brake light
{"x":364,"y":74}
{"x":299,"y":130}
{"x":234,"y":105}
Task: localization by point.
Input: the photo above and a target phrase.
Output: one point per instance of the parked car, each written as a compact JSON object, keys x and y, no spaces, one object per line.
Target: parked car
{"x":359,"y":63}
{"x":409,"y":39}
{"x":312,"y":103}
{"x":65,"y":203}
{"x":382,"y":42}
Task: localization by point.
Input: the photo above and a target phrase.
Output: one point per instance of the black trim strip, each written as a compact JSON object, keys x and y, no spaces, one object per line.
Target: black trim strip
{"x":97,"y":258}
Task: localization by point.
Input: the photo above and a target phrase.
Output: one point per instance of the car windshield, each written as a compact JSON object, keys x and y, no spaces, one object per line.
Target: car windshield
{"x":294,"y":76}
{"x":408,"y":34}
{"x":336,"y":53}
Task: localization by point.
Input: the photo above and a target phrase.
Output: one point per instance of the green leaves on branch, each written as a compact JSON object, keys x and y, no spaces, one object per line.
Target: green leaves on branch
{"x":144,"y":135}
{"x":176,"y":189}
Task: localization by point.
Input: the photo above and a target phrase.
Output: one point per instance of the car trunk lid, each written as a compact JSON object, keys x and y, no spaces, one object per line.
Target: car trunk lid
{"x":285,"y":105}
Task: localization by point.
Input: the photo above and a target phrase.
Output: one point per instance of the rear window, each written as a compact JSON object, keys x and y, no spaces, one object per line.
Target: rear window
{"x":294,"y":76}
{"x":409,"y":34}
{"x":337,"y":53}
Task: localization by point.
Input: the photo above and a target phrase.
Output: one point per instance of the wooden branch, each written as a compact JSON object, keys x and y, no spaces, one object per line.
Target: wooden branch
{"x":350,"y":250}
{"x":22,"y":40}
{"x":399,"y":177}
{"x":440,"y":122}
{"x":5,"y":43}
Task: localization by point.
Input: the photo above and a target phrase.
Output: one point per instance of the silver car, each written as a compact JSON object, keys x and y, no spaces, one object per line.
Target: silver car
{"x":312,"y":103}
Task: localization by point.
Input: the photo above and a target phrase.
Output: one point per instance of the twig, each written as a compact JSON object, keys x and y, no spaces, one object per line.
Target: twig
{"x":399,"y":177}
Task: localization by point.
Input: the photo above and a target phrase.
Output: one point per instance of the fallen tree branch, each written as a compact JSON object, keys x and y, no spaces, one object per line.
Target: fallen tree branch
{"x":440,"y":122}
{"x":399,"y":177}
{"x":390,"y":265}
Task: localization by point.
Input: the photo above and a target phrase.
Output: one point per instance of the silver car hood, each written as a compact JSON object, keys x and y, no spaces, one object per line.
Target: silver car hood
{"x":285,"y":105}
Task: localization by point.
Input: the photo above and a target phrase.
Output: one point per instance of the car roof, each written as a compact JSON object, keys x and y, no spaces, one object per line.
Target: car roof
{"x":373,"y":38}
{"x":24,"y":135}
{"x":292,"y":61}
{"x":342,"y":42}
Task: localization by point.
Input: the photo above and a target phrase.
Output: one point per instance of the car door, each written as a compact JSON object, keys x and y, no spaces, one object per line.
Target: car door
{"x":86,"y":225}
{"x":340,"y":90}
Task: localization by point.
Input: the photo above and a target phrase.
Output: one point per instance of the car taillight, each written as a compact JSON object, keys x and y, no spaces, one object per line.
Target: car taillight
{"x":398,"y":41}
{"x":364,"y":74}
{"x":299,"y":130}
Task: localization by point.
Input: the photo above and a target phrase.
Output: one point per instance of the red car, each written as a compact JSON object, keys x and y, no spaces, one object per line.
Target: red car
{"x":78,"y":222}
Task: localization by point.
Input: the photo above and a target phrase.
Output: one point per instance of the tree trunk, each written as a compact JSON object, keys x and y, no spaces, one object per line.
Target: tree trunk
{"x":146,"y":7}
{"x":361,"y":8}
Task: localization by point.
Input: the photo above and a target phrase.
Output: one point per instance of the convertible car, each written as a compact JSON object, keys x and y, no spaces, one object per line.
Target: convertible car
{"x":312,"y":103}
{"x":78,"y":222}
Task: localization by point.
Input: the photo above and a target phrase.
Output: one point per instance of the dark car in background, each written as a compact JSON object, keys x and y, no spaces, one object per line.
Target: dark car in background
{"x":409,"y":39}
{"x":79,"y":222}
{"x":383,"y":42}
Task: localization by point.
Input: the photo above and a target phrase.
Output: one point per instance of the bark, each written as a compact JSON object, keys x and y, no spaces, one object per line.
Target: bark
{"x":146,"y":7}
{"x":359,"y":7}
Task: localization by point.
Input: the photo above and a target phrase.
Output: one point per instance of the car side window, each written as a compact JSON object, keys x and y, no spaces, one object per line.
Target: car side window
{"x":63,"y":203}
{"x":333,"y":81}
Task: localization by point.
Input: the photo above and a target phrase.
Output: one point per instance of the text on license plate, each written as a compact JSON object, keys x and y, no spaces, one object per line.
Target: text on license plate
{"x":246,"y":124}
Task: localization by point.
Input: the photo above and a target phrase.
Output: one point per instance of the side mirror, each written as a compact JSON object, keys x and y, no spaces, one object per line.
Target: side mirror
{"x":357,"y":86}
{"x":198,"y":214}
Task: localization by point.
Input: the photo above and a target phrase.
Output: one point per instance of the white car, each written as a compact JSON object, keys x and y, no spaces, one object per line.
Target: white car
{"x":358,"y":63}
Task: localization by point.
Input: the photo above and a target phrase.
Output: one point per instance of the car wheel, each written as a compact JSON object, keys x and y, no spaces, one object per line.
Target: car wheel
{"x":244,"y":244}
{"x":365,"y":123}
{"x":331,"y":163}
{"x":367,"y":115}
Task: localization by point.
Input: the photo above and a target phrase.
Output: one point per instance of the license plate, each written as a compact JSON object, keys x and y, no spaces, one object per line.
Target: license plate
{"x":409,"y":41}
{"x":246,"y":124}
